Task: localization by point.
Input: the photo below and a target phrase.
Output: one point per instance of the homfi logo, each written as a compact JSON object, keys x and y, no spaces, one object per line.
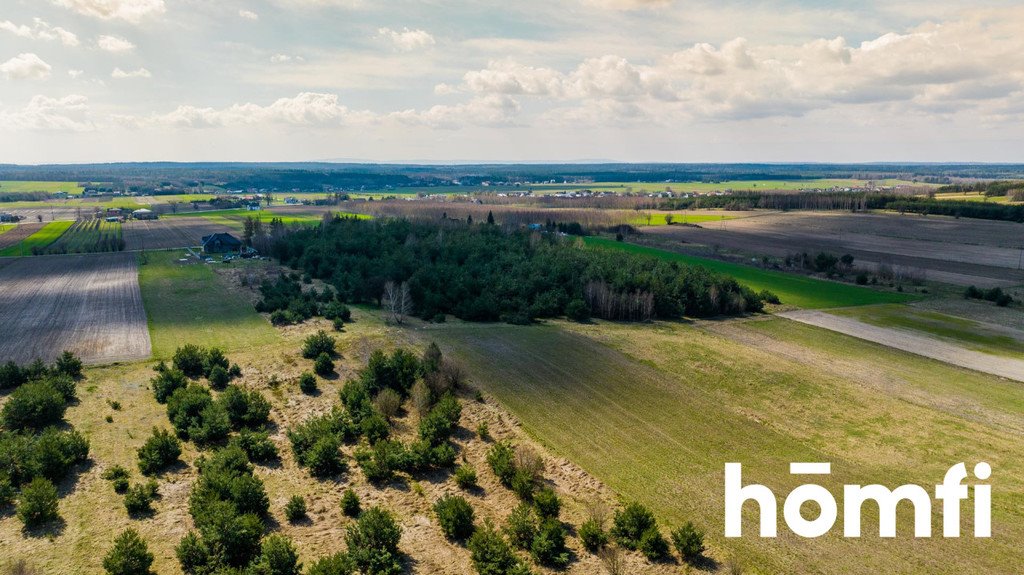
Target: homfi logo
{"x":950,"y":492}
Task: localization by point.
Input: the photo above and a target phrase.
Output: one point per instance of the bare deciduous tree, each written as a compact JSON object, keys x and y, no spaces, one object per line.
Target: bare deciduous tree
{"x":397,"y":300}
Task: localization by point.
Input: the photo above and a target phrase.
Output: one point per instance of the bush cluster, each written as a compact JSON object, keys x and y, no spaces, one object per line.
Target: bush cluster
{"x":995,"y":295}
{"x":455,"y":516}
{"x":159,"y":452}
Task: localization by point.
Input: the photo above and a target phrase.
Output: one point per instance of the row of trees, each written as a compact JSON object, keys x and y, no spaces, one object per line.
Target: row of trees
{"x":485,"y":273}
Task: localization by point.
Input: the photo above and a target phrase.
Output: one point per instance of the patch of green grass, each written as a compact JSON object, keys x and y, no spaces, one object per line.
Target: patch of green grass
{"x":792,"y":289}
{"x":6,"y":227}
{"x":190,"y":303}
{"x":39,"y":240}
{"x":965,"y":332}
{"x":680,"y":217}
{"x":24,"y":187}
{"x":655,"y":412}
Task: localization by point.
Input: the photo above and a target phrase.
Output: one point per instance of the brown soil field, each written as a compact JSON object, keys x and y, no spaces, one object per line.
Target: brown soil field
{"x":168,"y":233}
{"x":22,"y":231}
{"x":88,"y":304}
{"x":960,"y":252}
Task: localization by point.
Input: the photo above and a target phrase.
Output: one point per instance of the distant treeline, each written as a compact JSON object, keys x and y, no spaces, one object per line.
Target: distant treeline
{"x":996,"y":188}
{"x":24,"y":196}
{"x":481,"y":272}
{"x":850,"y":201}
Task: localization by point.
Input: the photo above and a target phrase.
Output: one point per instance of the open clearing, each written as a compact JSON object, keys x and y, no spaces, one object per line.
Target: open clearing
{"x":190,"y":303}
{"x":39,"y":240}
{"x":792,"y":289}
{"x":913,"y":343}
{"x":90,"y":305}
{"x":166,"y":233}
{"x":654,"y":411}
{"x":958,"y":251}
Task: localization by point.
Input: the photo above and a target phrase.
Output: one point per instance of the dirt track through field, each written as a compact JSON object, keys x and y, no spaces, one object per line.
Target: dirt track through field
{"x":913,"y":343}
{"x":89,"y":304}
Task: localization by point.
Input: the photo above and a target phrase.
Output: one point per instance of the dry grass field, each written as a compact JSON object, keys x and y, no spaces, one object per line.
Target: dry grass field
{"x":88,"y":304}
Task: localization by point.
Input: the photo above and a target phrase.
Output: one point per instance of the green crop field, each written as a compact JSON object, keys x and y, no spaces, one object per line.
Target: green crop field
{"x":23,"y":187}
{"x":190,"y":303}
{"x":38,"y":241}
{"x":656,"y":411}
{"x":965,"y":332}
{"x":681,"y":217}
{"x":89,"y":236}
{"x":792,"y":289}
{"x":6,"y":227}
{"x":235,"y":218}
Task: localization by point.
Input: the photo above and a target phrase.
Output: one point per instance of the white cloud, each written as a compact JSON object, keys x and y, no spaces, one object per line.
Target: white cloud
{"x":75,"y":74}
{"x":407,"y":40}
{"x":285,"y":58}
{"x":248,"y":15}
{"x":132,"y":11}
{"x":40,"y":30}
{"x":490,"y":110}
{"x":44,"y":113}
{"x":25,"y":67}
{"x":120,"y":74}
{"x":305,"y":109}
{"x":628,"y":4}
{"x":114,"y":44}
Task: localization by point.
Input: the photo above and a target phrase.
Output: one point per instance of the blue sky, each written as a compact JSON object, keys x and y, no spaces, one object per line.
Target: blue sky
{"x":630,"y":80}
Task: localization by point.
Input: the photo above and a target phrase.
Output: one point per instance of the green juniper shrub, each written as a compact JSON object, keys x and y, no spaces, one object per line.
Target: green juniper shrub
{"x":324,"y":365}
{"x":375,"y":427}
{"x":373,"y":542}
{"x":338,"y":324}
{"x":245,"y":409}
{"x":324,"y":458}
{"x":356,"y":399}
{"x":64,"y":384}
{"x":11,"y":376}
{"x":193,"y":554}
{"x":219,"y":377}
{"x":548,"y":546}
{"x":37,"y":503}
{"x":190,"y":359}
{"x":431,"y":360}
{"x":380,"y":463}
{"x":483,"y":431}
{"x":159,"y":452}
{"x":278,"y":557}
{"x":653,"y":545}
{"x":397,"y":371}
{"x":491,"y":554}
{"x":235,"y":371}
{"x":350,"y":503}
{"x":54,"y":452}
{"x":593,"y":535}
{"x":166,"y":382}
{"x":455,"y":516}
{"x":521,"y":526}
{"x":546,"y":502}
{"x":500,"y":457}
{"x":307,"y":383}
{"x":212,"y":359}
{"x":317,"y":344}
{"x":523,"y":483}
{"x":195,"y":416}
{"x":68,"y":364}
{"x":630,"y":524}
{"x":256,"y":444}
{"x":138,"y":500}
{"x":578,"y":311}
{"x":129,"y":556}
{"x":7,"y":491}
{"x":337,"y":564}
{"x":465,"y":476}
{"x":34,"y":405}
{"x":334,"y":424}
{"x":336,"y":310}
{"x":441,"y":422}
{"x":688,"y":541}
{"x":295,"y":509}
{"x":118,"y":476}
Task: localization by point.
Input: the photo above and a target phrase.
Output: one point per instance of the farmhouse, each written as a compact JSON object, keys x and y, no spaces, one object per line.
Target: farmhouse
{"x":221,"y":243}
{"x":144,"y":214}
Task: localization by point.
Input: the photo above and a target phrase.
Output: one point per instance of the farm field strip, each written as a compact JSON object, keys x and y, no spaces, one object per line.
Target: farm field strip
{"x":656,"y":411}
{"x":167,"y":233}
{"x":89,"y":236}
{"x":23,"y":187}
{"x":190,"y":303}
{"x":39,"y":240}
{"x":89,"y":304}
{"x":904,"y":340}
{"x":974,"y":335}
{"x":792,"y":289}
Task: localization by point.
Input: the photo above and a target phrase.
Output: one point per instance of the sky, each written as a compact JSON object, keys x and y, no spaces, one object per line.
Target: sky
{"x":525,"y":80}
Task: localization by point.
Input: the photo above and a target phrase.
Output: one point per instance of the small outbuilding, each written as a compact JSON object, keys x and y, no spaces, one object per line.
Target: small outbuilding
{"x":144,"y":214}
{"x":221,"y":243}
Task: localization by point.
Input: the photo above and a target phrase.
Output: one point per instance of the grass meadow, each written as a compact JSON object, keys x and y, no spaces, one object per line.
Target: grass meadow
{"x":24,"y":187}
{"x":792,"y":289}
{"x":190,"y":303}
{"x":655,"y":411}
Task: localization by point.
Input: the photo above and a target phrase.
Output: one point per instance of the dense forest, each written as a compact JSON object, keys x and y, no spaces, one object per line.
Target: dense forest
{"x":483,"y":272}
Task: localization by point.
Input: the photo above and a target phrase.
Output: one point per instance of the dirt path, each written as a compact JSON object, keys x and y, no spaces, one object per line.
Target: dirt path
{"x":913,"y":343}
{"x":88,"y":304}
